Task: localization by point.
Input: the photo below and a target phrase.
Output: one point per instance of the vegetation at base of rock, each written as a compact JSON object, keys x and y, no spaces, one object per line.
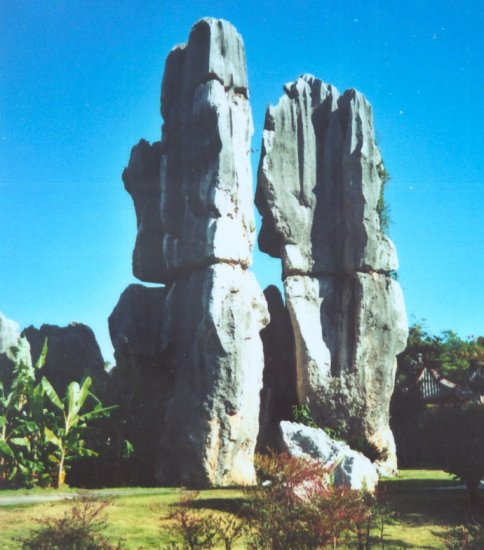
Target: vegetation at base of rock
{"x":40,"y":433}
{"x":80,"y":528}
{"x":422,"y":512}
{"x":296,"y":506}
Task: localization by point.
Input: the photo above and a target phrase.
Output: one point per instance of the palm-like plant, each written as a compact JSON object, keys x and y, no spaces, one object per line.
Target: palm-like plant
{"x":21,"y":410}
{"x":66,"y":433}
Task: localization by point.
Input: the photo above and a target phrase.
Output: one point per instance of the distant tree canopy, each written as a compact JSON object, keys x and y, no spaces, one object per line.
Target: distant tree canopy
{"x":447,"y":353}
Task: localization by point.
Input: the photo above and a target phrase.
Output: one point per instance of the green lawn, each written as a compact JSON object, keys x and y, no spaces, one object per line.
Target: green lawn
{"x":422,"y":510}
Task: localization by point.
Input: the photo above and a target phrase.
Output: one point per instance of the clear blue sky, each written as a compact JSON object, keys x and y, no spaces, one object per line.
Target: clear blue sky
{"x":79,"y":85}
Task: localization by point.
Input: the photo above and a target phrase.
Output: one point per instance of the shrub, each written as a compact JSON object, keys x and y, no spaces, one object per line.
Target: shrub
{"x":80,"y":528}
{"x":465,"y":537}
{"x":202,"y":530}
{"x":454,"y":442}
{"x":297,"y":508}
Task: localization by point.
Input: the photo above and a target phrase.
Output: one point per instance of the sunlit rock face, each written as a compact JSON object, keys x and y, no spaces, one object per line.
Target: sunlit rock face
{"x":318,"y":189}
{"x":193,"y":198}
{"x":213,"y":318}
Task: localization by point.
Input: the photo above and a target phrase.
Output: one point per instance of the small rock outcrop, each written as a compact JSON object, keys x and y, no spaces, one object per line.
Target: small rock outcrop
{"x":350,"y":468}
{"x":319,"y":182}
{"x":73,"y":353}
{"x":193,"y":198}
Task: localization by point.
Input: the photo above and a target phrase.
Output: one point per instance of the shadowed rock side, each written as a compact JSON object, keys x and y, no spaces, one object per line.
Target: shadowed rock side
{"x":73,"y":353}
{"x":279,"y":380}
{"x":198,"y":239}
{"x":318,"y":188}
{"x":142,"y":181}
{"x":142,"y":381}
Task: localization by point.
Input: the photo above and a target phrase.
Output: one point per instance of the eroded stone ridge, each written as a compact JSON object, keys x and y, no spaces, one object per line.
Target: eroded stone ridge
{"x":319,"y":181}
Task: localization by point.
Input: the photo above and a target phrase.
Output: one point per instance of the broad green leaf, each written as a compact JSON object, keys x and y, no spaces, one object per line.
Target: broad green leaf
{"x":21,"y":441}
{"x":51,"y":393}
{"x":84,"y":391}
{"x":42,"y":357}
{"x":127,"y":449}
{"x":5,"y":449}
{"x":52,"y":438}
{"x":3,"y":421}
{"x":98,"y":413}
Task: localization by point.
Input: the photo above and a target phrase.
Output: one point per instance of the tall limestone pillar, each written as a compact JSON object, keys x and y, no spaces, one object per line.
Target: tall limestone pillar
{"x":193,"y":199}
{"x":319,"y":182}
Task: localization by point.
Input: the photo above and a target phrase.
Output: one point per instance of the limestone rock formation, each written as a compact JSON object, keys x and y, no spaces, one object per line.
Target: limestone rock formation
{"x":213,"y":318}
{"x":73,"y":354}
{"x":350,"y":468}
{"x":200,"y":170}
{"x":198,"y":239}
{"x":319,"y":182}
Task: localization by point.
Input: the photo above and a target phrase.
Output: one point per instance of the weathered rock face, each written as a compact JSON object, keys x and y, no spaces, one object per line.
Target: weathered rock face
{"x":198,"y":238}
{"x":213,"y":318}
{"x":73,"y":354}
{"x":199,"y":178}
{"x":318,"y":183}
{"x":350,"y":468}
{"x":318,"y":189}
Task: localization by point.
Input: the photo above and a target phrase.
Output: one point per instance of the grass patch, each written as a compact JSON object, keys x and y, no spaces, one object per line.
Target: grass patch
{"x":425,"y":503}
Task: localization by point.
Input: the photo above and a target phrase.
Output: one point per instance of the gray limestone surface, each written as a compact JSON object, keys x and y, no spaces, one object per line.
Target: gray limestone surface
{"x":350,"y":468}
{"x":193,"y":198}
{"x":319,"y":182}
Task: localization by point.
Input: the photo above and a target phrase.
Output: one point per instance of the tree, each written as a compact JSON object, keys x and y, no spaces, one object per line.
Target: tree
{"x":22,"y":447}
{"x":66,"y":434}
{"x":454,"y":442}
